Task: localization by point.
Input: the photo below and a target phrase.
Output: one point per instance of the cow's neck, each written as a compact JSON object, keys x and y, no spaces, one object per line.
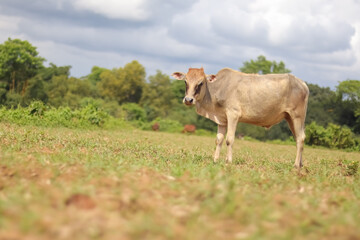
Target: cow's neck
{"x":206,"y":108}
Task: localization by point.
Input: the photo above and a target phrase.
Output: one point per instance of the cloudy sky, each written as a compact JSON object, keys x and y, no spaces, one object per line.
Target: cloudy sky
{"x":319,"y":40}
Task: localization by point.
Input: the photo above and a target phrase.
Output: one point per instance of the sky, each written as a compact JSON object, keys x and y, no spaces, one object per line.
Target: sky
{"x":319,"y":40}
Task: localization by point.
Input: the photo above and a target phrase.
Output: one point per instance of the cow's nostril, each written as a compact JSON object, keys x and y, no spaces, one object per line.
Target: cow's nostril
{"x":189,"y":100}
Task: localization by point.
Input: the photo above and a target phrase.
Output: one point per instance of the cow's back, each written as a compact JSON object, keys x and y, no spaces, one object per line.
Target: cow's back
{"x":260,"y":99}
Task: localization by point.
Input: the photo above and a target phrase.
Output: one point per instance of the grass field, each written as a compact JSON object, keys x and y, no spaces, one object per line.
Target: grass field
{"x":59,"y":183}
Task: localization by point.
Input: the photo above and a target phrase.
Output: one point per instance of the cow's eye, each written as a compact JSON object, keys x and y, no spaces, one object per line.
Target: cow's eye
{"x":198,"y":87}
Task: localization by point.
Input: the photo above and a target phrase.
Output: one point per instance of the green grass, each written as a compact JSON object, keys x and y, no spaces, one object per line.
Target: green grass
{"x":59,"y":183}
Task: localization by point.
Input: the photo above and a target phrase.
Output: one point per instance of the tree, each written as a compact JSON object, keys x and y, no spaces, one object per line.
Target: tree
{"x":264,"y":66}
{"x":94,"y":76}
{"x":19,"y":61}
{"x":348,"y":93}
{"x":321,"y":106}
{"x":46,"y":74}
{"x":123,"y":84}
{"x":38,"y":86}
{"x":64,"y":91}
{"x":158,"y":97}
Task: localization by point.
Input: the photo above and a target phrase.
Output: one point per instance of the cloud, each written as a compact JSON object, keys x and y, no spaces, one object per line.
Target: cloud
{"x":114,"y":9}
{"x":318,"y":39}
{"x":238,"y":26}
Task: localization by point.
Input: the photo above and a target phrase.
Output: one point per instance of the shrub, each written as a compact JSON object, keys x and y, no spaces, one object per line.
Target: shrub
{"x":92,"y":114}
{"x":133,"y":111}
{"x":316,"y":135}
{"x":39,"y":114}
{"x":341,"y":137}
{"x":333,"y":136}
{"x":37,"y":108}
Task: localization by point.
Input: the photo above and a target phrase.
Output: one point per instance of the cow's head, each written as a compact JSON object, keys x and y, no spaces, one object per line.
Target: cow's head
{"x":195,"y":81}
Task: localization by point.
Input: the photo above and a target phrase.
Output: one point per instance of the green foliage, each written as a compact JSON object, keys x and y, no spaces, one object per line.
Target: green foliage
{"x":37,"y":108}
{"x":315,"y":134}
{"x":348,"y":93}
{"x":39,"y":114}
{"x":133,"y":112}
{"x":178,"y":89}
{"x":158,"y":98}
{"x":93,"y":114}
{"x":322,"y":106}
{"x":46,"y":74}
{"x":123,"y":84}
{"x":333,"y":136}
{"x":64,"y":91}
{"x":35,"y":91}
{"x":264,"y":66}
{"x":349,"y":90}
{"x":341,"y":137}
{"x":19,"y":61}
{"x":13,"y":99}
{"x":94,"y":76}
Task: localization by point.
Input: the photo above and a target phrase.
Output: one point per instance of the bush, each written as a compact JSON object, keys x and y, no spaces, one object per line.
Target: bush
{"x":333,"y":136}
{"x":93,"y":115}
{"x":341,"y":137}
{"x":133,"y":112}
{"x":40,"y":115}
{"x":37,"y":108}
{"x":316,"y":135}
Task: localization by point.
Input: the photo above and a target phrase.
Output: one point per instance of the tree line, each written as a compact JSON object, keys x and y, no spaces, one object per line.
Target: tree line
{"x":126,"y":92}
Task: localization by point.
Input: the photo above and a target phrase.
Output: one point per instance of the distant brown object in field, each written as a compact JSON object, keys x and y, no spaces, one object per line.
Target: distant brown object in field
{"x":155,"y":126}
{"x":240,"y":136}
{"x":189,"y":128}
{"x":81,"y":201}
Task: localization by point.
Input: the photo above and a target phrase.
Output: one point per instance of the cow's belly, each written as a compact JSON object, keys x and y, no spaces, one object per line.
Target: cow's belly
{"x":264,"y":119}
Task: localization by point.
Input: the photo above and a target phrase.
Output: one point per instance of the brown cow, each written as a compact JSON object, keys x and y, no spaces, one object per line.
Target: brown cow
{"x":189,"y":128}
{"x":230,"y":97}
{"x":155,"y":126}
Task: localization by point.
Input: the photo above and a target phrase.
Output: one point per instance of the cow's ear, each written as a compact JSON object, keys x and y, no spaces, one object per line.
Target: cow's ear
{"x":211,"y":78}
{"x":178,"y":75}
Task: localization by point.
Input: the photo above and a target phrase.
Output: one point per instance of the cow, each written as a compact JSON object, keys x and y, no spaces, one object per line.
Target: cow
{"x":230,"y":97}
{"x":189,"y":128}
{"x":155,"y":127}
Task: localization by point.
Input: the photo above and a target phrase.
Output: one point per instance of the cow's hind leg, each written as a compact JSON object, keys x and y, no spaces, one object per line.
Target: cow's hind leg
{"x":219,"y":140}
{"x":297,"y":126}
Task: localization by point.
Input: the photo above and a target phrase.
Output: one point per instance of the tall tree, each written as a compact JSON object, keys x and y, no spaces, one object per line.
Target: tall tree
{"x":64,"y":91}
{"x":264,"y":66}
{"x":348,"y":93}
{"x":123,"y":84}
{"x":158,"y":97}
{"x":19,"y":61}
{"x":94,"y":76}
{"x":321,"y":106}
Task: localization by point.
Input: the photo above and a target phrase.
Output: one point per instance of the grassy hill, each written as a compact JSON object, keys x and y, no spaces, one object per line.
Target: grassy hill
{"x":59,"y":183}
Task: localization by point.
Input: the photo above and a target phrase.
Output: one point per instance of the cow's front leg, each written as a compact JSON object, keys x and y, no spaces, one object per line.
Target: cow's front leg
{"x":219,"y":140}
{"x":230,"y":136}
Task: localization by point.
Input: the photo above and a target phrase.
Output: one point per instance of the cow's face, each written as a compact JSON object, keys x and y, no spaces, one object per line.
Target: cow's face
{"x":195,"y":81}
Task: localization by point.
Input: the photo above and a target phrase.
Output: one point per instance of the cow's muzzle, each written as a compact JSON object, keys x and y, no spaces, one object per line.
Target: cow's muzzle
{"x":188,"y":101}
